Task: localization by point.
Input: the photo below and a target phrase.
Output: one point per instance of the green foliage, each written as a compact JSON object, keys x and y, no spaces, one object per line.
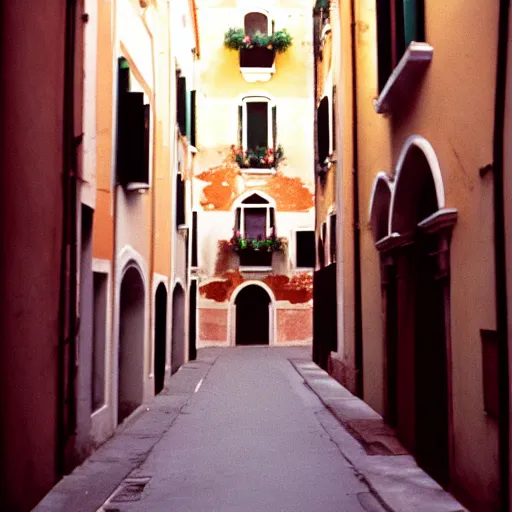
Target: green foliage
{"x":236,"y":39}
{"x":267,"y":244}
{"x":259,"y":158}
{"x":233,"y":38}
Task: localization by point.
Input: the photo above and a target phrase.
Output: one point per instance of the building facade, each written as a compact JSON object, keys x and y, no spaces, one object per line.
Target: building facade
{"x":96,"y":324}
{"x":418,"y":333}
{"x":252,"y":187}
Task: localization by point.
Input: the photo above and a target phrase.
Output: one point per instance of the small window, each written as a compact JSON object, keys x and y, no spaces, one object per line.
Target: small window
{"x":193,"y":121}
{"x":180,"y":200}
{"x":323,"y":131}
{"x":194,"y":239}
{"x":332,"y":238}
{"x":100,"y":284}
{"x":181,"y":103}
{"x":257,"y":124}
{"x":399,"y":22}
{"x":305,"y":249}
{"x":255,"y":22}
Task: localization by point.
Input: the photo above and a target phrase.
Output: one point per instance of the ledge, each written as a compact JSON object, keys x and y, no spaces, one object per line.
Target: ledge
{"x":253,"y":170}
{"x":255,"y":269}
{"x":252,"y":75}
{"x":141,"y":188}
{"x":415,"y":60}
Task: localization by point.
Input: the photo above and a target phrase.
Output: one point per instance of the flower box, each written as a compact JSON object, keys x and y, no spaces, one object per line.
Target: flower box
{"x":257,"y":57}
{"x":260,"y":158}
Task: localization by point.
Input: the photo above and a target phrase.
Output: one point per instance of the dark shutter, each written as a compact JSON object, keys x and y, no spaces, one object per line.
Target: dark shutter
{"x":272,"y":215}
{"x":240,"y":125}
{"x":180,"y":200}
{"x":332,"y":241}
{"x":274,"y":126}
{"x":323,"y":115}
{"x":132,"y":139}
{"x":123,"y":78}
{"x":193,"y":133}
{"x":384,"y":42}
{"x":238,"y":219}
{"x":333,"y":116}
{"x":305,"y":249}
{"x":182,"y":104}
{"x":194,"y":239}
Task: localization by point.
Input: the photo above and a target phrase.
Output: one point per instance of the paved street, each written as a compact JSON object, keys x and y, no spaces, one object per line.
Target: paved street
{"x":250,"y":429}
{"x":249,"y":440}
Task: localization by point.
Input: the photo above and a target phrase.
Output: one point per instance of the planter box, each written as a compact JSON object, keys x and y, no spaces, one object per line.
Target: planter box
{"x":257,"y":57}
{"x":251,"y":258}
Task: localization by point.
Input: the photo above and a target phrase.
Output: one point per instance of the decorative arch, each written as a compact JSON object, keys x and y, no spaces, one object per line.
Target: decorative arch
{"x":418,"y":182}
{"x":380,"y":201}
{"x":240,"y":200}
{"x":272,"y":338}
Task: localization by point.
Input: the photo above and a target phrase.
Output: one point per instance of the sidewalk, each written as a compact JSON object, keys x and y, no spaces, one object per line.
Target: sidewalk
{"x":238,"y":430}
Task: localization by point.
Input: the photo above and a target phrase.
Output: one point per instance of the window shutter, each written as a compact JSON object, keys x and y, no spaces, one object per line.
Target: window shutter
{"x":238,"y":219}
{"x":384,"y":42}
{"x":144,"y":178}
{"x":272,"y":217}
{"x":410,"y":21}
{"x":333,"y":116}
{"x":182,"y":104}
{"x":274,"y":127}
{"x":131,"y":139}
{"x":123,"y":77}
{"x":240,"y":126}
{"x":193,"y":126}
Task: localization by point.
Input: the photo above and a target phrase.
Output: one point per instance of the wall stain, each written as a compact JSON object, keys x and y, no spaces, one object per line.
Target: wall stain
{"x":297,"y":290}
{"x":227,"y":182}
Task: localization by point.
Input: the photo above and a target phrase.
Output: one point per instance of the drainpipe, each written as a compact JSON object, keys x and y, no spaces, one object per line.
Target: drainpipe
{"x":355,"y":202}
{"x":500,"y":256}
{"x":68,"y":288}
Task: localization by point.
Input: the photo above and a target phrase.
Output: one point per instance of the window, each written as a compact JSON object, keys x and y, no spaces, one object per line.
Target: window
{"x":194,"y":239}
{"x":305,"y":249}
{"x":193,"y":122}
{"x":133,"y":133}
{"x":100,"y":283}
{"x":332,"y":237}
{"x":399,"y":22}
{"x":256,"y":22}
{"x":323,"y":131}
{"x":257,"y":123}
{"x":180,"y":199}
{"x":181,"y":103}
{"x":255,"y":219}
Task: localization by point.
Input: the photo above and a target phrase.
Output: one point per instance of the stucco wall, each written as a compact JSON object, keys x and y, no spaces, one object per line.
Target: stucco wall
{"x":31,"y":220}
{"x":452,"y":107}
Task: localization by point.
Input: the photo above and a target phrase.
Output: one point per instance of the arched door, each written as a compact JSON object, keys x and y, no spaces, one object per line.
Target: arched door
{"x":252,"y":316}
{"x":178,"y":329}
{"x":160,"y":336}
{"x":131,"y":344}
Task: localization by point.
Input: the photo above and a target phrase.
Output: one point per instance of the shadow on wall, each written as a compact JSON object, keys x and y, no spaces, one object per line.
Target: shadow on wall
{"x":178,"y":328}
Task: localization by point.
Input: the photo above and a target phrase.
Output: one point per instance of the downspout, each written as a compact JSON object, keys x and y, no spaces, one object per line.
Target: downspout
{"x":500,"y":256}
{"x":355,"y":202}
{"x":68,"y":287}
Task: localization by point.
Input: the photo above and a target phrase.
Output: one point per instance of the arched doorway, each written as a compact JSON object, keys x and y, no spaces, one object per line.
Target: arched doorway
{"x":178,"y":329}
{"x":131,"y":343}
{"x":419,"y":247}
{"x":160,"y":336}
{"x":252,"y":318}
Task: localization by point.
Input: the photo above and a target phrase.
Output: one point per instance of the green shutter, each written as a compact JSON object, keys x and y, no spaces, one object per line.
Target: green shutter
{"x":240,"y":128}
{"x":410,"y":21}
{"x":274,"y":127}
{"x":333,"y":117}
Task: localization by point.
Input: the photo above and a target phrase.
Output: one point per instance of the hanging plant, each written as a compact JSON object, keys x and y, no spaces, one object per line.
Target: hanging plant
{"x":259,"y":158}
{"x":270,"y":243}
{"x":236,"y":39}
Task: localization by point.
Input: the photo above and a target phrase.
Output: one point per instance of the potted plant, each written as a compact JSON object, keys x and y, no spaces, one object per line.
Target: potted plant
{"x":257,"y":251}
{"x":259,"y":158}
{"x":259,"y":49}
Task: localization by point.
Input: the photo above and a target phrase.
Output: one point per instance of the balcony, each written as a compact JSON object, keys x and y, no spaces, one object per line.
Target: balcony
{"x":257,"y":253}
{"x":257,"y":51}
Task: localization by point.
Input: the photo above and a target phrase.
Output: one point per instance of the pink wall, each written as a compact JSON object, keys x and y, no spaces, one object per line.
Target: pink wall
{"x":32,"y":45}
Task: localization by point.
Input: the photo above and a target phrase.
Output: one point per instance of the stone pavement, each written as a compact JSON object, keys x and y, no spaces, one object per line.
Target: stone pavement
{"x":241,"y":429}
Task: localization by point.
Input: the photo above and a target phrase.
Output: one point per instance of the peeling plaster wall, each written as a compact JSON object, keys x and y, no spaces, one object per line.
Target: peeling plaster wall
{"x":218,"y":181}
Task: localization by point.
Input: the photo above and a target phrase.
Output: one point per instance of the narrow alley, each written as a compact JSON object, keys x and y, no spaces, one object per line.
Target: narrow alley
{"x":238,"y":430}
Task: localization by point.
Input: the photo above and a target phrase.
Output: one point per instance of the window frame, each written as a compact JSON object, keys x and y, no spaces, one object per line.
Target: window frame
{"x":270,"y":21}
{"x":270,"y":121}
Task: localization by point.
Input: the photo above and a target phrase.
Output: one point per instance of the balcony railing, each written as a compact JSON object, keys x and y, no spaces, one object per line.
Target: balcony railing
{"x":260,"y":158}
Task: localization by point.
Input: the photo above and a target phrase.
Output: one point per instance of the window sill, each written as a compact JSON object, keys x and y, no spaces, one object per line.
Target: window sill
{"x":252,"y":75}
{"x":411,"y":66}
{"x":139,"y":187}
{"x":256,"y":171}
{"x":255,"y":269}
